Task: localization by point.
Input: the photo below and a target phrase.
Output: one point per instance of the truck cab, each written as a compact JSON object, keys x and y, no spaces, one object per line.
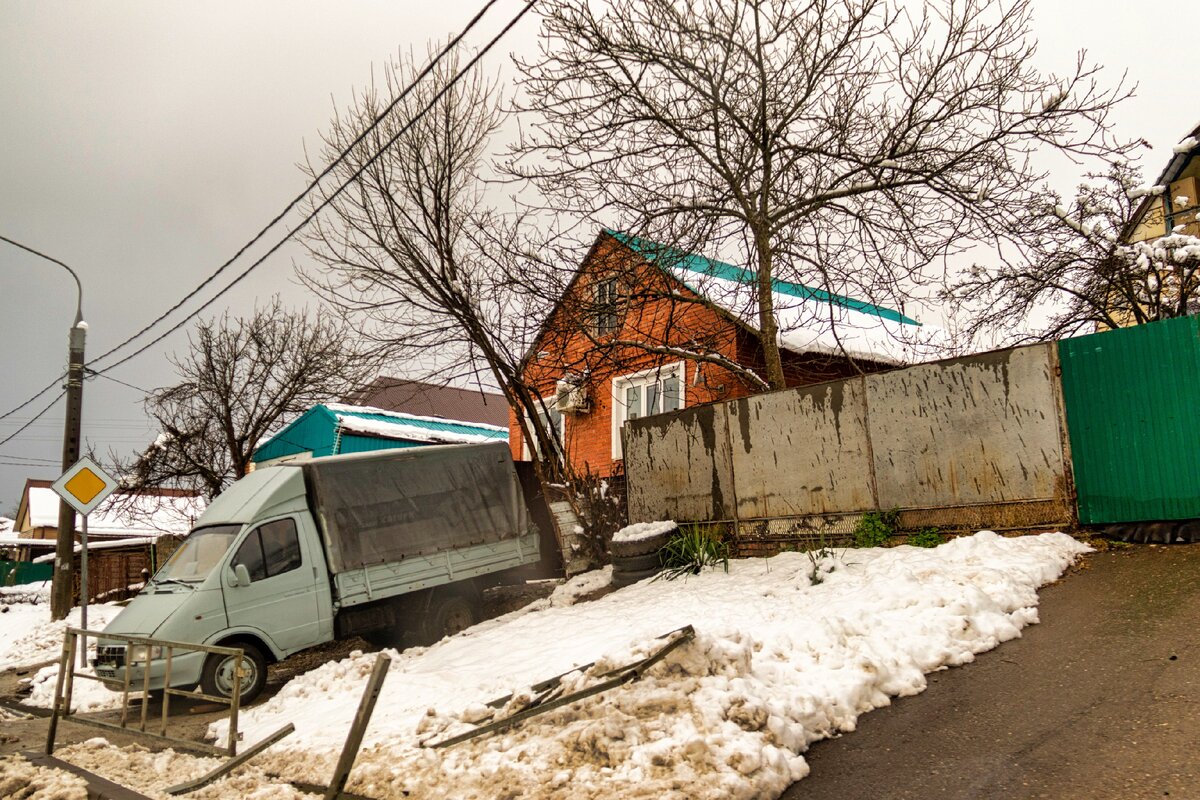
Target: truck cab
{"x":252,"y":574}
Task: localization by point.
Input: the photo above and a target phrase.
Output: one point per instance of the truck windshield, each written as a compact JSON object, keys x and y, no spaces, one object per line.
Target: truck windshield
{"x":198,"y":554}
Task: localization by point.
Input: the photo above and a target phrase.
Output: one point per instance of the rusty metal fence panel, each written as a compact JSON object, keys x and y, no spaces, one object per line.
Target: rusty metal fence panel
{"x":972,"y":430}
{"x":801,"y":452}
{"x":683,"y":464}
{"x":75,"y":642}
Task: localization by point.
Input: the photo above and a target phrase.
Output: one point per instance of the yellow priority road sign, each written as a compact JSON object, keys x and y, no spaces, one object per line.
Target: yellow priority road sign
{"x":85,"y":485}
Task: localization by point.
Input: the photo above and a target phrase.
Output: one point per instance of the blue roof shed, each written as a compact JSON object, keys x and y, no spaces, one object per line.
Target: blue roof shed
{"x":333,"y":428}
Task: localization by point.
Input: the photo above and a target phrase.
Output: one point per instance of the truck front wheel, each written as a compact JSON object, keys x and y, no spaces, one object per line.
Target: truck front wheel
{"x":217,"y":678}
{"x":447,"y":615}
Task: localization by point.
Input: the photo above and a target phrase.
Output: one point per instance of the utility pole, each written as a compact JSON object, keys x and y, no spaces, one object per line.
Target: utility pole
{"x":62,"y":595}
{"x":62,"y":589}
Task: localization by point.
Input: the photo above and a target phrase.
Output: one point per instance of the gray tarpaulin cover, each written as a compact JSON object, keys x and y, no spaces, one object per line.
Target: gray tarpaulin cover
{"x":386,"y":506}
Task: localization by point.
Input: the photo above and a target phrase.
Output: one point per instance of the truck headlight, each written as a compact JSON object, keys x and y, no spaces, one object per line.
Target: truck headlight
{"x":138,"y":653}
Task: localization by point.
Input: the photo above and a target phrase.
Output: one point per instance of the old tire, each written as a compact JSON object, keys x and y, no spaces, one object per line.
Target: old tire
{"x":217,"y":677}
{"x":636,"y":563}
{"x":622,"y":579}
{"x":639,"y":547}
{"x":447,"y":615}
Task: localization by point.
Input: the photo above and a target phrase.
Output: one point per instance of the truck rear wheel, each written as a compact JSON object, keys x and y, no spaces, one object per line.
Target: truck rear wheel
{"x":447,"y":615}
{"x":217,"y":678}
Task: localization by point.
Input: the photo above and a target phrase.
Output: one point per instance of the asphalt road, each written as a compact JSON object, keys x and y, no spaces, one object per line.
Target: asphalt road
{"x":1100,"y":700}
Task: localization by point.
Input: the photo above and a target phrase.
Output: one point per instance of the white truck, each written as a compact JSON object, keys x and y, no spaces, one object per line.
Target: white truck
{"x":385,"y":544}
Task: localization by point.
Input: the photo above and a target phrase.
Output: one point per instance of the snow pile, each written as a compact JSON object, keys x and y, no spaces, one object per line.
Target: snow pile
{"x":26,"y":593}
{"x":19,"y":778}
{"x":27,"y":636}
{"x":643,"y":530}
{"x":581,"y":586}
{"x":86,"y":695}
{"x":779,"y":661}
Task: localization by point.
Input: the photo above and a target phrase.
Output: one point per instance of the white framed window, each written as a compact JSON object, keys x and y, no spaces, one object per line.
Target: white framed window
{"x":644,"y":394}
{"x":555,"y":424}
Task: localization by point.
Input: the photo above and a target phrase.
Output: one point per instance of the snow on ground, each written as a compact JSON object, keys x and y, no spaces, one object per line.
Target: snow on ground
{"x":27,"y":636}
{"x":19,"y":778}
{"x":785,"y":653}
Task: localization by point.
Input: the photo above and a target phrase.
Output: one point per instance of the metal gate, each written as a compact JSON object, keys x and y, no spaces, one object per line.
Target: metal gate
{"x":1131,"y":396}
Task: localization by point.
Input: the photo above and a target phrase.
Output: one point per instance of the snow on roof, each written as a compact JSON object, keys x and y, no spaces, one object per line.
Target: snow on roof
{"x":810,"y":320}
{"x":104,"y":545}
{"x":13,"y":541}
{"x":140,"y":515}
{"x":6,"y":525}
{"x":397,"y":425}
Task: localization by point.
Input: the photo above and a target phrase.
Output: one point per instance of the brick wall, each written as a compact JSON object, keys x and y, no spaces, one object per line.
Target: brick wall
{"x":650,"y":312}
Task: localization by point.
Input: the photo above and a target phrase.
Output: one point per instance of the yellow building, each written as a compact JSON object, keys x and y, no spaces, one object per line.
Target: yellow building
{"x":1178,"y":203}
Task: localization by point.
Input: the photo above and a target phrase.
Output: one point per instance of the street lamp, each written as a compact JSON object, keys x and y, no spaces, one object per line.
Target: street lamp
{"x":61,"y":596}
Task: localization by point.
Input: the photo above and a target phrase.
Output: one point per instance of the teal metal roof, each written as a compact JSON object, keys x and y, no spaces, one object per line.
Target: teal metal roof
{"x":333,"y":428}
{"x":678,"y":259}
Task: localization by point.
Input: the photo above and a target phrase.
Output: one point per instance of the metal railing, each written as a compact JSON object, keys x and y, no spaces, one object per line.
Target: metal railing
{"x":67,"y":673}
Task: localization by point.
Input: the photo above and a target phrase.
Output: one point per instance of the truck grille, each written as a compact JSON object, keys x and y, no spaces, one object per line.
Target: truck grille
{"x":110,"y":654}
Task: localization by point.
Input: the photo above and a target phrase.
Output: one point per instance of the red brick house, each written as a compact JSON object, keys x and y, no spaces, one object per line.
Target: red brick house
{"x":629,"y":339}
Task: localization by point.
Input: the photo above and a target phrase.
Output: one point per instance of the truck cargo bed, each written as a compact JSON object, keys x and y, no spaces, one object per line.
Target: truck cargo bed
{"x":417,"y":572}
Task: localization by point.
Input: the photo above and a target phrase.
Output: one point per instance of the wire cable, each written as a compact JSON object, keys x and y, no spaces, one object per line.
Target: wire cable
{"x":33,"y":419}
{"x":54,"y":383}
{"x":295,"y":201}
{"x":312,"y":215}
{"x":91,"y":373}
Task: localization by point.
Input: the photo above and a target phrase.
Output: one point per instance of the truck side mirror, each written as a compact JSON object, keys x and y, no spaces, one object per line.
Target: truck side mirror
{"x":241,"y":575}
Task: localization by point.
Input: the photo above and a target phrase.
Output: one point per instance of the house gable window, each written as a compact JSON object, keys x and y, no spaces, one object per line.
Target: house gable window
{"x":555,"y":423}
{"x":644,"y":394}
{"x":605,"y":298}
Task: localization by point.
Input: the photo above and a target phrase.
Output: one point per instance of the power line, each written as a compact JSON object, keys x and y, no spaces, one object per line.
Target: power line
{"x":49,"y":461}
{"x":295,"y":201}
{"x":93,"y":373}
{"x":312,"y":215}
{"x":54,"y":383}
{"x":29,"y":464}
{"x":32,"y":419}
{"x":291,"y":205}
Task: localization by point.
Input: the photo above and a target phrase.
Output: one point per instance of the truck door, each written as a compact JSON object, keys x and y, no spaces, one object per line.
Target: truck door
{"x":282,"y":598}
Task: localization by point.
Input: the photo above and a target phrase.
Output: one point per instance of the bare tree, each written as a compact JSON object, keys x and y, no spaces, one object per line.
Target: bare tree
{"x":240,"y":379}
{"x":1071,"y":269}
{"x":840,"y":144}
{"x":413,"y":254}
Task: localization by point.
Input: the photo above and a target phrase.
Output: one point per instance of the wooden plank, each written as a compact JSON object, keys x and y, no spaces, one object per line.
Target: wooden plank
{"x":98,"y":788}
{"x":179,"y":744}
{"x":231,"y":764}
{"x":623,"y":675}
{"x":362,"y":717}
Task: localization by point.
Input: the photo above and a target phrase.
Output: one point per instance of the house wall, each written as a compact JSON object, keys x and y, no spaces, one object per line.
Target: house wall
{"x":648,"y":315}
{"x":652,"y":312}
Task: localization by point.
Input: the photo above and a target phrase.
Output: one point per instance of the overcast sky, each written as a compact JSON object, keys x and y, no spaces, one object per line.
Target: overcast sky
{"x":142,"y":142}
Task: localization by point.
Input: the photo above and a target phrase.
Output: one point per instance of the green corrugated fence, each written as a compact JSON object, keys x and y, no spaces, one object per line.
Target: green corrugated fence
{"x":16,"y":573}
{"x":1131,"y":399}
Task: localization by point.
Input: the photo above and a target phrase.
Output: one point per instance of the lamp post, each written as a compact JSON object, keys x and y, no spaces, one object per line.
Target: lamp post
{"x":61,"y":594}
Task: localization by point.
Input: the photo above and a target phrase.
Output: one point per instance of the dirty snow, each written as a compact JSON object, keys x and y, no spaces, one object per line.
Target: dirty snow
{"x":27,"y":637}
{"x":643,"y":530}
{"x":580,"y":587}
{"x":784,"y":654}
